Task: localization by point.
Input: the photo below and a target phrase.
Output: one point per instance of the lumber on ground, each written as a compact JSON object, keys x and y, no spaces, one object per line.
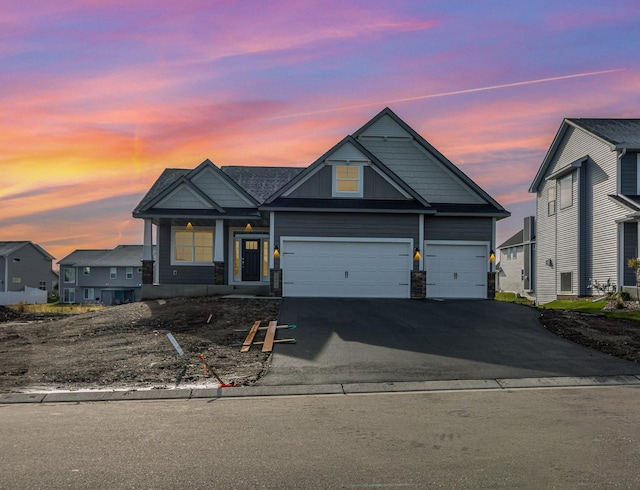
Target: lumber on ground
{"x":250,"y":336}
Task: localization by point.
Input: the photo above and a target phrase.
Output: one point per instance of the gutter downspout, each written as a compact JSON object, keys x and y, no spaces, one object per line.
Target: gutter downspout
{"x":619,"y":251}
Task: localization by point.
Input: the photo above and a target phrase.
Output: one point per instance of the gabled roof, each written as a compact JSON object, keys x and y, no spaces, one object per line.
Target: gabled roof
{"x":445,"y":162}
{"x":311,"y":169}
{"x":7,"y":248}
{"x":121,"y":256}
{"x":172,"y":180}
{"x":517,"y":239}
{"x":261,"y":182}
{"x":619,"y":134}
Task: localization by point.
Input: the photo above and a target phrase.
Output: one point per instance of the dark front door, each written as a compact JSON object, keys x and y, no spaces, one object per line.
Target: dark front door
{"x":250,"y":260}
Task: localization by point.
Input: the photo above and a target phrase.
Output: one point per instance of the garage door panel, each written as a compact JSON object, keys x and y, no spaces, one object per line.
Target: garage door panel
{"x":346,"y":269}
{"x":456,"y":270}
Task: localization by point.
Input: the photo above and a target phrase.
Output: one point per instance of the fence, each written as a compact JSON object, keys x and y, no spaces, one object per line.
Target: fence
{"x":28,"y":296}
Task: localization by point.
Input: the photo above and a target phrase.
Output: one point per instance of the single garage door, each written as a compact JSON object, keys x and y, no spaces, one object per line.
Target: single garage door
{"x":456,"y":270}
{"x":345,"y":268}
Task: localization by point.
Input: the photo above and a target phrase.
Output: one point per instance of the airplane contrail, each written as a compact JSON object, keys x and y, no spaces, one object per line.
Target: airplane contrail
{"x":446,"y":94}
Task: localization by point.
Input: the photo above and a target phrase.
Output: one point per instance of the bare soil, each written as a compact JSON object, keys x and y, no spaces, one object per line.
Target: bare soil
{"x":126,"y":347}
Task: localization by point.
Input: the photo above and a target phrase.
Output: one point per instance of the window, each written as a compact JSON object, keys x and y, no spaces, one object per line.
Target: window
{"x":565,"y":281}
{"x":515,"y":253}
{"x":129,"y":272}
{"x":69,"y":295}
{"x":88,"y":294}
{"x":43,"y":286}
{"x":69,"y":275}
{"x":113,"y":273}
{"x":193,"y":246}
{"x":566,"y":191}
{"x":551,"y":200}
{"x":16,"y":280}
{"x":86,"y":271}
{"x":347,"y":180}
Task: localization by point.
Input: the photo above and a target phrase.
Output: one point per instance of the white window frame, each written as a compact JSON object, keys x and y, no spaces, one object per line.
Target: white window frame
{"x":566,"y":191}
{"x":86,"y":270}
{"x":68,"y":295}
{"x":72,"y":275}
{"x":129,"y":272}
{"x":175,"y":229}
{"x":89,"y":294}
{"x":113,"y":273}
{"x":359,"y":191}
{"x":552,"y":192}
{"x":570,"y":282}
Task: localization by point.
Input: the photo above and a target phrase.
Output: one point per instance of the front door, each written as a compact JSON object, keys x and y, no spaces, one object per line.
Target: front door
{"x":250,"y":259}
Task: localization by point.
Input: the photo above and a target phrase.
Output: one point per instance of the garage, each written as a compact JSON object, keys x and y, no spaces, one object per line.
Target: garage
{"x":456,"y":269}
{"x":346,"y":268}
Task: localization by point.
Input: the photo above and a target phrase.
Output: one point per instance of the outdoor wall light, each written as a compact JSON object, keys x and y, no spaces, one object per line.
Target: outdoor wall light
{"x":492,"y":256}
{"x":276,"y":252}
{"x":549,"y":262}
{"x":416,"y":255}
{"x":248,"y":227}
{"x":189,"y":226}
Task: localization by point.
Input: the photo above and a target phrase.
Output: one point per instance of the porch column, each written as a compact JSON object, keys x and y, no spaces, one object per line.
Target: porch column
{"x":218,"y":253}
{"x":147,"y":253}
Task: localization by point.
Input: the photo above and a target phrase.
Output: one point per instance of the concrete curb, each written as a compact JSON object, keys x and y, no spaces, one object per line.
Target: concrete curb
{"x":326,"y":389}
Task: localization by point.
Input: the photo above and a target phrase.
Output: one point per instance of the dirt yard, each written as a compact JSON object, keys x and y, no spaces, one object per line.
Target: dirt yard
{"x":127,"y":347}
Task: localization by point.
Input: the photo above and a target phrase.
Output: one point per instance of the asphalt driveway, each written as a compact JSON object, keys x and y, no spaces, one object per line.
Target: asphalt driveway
{"x":380,"y":340}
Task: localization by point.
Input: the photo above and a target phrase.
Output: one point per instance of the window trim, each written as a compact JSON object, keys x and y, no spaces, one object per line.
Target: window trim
{"x":129,"y":272}
{"x":357,"y":193}
{"x":554,"y":201}
{"x":87,"y":296}
{"x":175,"y":229}
{"x":72,"y":274}
{"x":113,"y":273}
{"x":563,"y":189}
{"x":570,"y":282}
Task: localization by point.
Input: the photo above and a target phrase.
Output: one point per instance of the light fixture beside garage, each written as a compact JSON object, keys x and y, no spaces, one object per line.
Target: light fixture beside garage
{"x":276,"y":252}
{"x":416,"y":255}
{"x":492,"y":256}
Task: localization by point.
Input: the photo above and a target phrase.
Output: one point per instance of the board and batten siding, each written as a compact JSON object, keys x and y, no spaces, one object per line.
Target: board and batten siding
{"x":350,"y":225}
{"x":629,"y":174}
{"x":185,"y":274}
{"x":458,"y":228}
{"x":220,"y":191}
{"x":320,"y":186}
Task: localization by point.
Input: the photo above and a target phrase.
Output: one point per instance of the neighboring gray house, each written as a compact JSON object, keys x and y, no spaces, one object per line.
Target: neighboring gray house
{"x":516,"y":267}
{"x":381,"y":214}
{"x":107,"y":277}
{"x":25,"y":264}
{"x":587,"y":194}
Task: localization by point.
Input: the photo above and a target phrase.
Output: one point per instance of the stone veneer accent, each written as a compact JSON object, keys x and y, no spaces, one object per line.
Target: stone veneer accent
{"x":491,"y":285}
{"x":275,"y":282}
{"x":147,"y":271}
{"x":218,"y":273}
{"x":418,"y":284}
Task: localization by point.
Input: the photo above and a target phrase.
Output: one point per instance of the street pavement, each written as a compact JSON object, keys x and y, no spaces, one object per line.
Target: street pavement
{"x":569,"y":438}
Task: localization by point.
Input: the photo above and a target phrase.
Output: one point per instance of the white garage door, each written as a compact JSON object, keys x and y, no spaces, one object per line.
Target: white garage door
{"x":345,"y":268}
{"x":456,"y":270}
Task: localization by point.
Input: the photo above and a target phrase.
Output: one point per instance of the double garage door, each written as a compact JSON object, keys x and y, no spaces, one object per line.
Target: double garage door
{"x":346,"y":268}
{"x":351,"y":268}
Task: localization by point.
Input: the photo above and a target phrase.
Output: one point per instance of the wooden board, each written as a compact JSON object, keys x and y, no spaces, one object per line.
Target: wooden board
{"x":269,"y":337}
{"x":250,"y":336}
{"x":278,"y":341}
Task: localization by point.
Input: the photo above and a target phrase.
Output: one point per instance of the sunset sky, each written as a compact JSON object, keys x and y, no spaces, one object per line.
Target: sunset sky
{"x":97,"y":97}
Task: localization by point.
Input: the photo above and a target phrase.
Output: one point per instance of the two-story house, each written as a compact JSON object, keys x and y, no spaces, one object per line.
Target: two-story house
{"x":107,"y":277}
{"x":24,"y":264}
{"x":587,"y":197}
{"x":516,"y":266}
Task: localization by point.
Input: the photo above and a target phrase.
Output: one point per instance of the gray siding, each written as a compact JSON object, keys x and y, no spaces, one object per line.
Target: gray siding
{"x":558,"y":237}
{"x":510,"y":276}
{"x":356,"y":225}
{"x":421,"y":170}
{"x":320,"y":186}
{"x":629,"y":174}
{"x":184,"y":274}
{"x":27,"y":267}
{"x":630,"y":251}
{"x":458,"y":228}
